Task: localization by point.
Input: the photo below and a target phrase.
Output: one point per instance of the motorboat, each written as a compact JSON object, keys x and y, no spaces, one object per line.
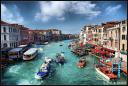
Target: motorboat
{"x":44,"y":69}
{"x":30,"y":54}
{"x":81,"y":63}
{"x":45,"y":43}
{"x":47,"y":60}
{"x":60,"y":58}
{"x":107,"y":74}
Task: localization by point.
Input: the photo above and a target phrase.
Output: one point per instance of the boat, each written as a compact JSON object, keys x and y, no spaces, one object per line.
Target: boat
{"x":45,"y":43}
{"x":60,"y":58}
{"x":30,"y":54}
{"x":15,"y":54}
{"x":107,"y":74}
{"x":44,"y":69}
{"x":24,"y":47}
{"x":47,"y":60}
{"x":81,"y":63}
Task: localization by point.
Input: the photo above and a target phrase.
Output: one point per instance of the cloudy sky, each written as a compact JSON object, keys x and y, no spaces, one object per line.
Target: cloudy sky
{"x":68,"y":16}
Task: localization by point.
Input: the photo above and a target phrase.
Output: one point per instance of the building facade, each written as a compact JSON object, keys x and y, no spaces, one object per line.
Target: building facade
{"x":10,"y":35}
{"x":123,"y":35}
{"x":111,"y":35}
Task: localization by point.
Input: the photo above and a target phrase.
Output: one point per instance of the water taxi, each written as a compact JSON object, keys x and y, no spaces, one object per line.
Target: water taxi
{"x":30,"y":54}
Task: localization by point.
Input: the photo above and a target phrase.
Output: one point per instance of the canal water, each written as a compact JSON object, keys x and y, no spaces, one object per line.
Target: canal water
{"x":23,"y":73}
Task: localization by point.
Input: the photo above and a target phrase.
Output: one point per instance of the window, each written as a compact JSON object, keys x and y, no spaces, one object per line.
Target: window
{"x":9,"y":29}
{"x":123,"y":46}
{"x":4,"y":37}
{"x":17,"y":38}
{"x":10,"y":44}
{"x":5,"y":45}
{"x":99,"y":31}
{"x":13,"y":29}
{"x":123,"y":37}
{"x":123,"y":29}
{"x":123,"y":22}
{"x":4,"y":29}
{"x":116,"y":33}
{"x":126,"y":37}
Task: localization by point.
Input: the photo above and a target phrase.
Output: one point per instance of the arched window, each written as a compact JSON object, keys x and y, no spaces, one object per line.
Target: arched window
{"x":5,"y":45}
{"x":4,"y":29}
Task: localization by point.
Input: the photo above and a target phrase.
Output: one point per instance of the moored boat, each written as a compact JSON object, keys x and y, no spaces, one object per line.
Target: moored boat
{"x":81,"y":63}
{"x":30,"y":54}
{"x":15,"y":54}
{"x":107,"y":74}
{"x":45,"y":43}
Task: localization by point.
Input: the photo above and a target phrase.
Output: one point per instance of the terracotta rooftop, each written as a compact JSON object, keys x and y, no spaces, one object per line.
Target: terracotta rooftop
{"x":4,"y":23}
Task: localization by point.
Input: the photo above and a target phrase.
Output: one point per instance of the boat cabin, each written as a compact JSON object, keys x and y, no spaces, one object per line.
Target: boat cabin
{"x":30,"y":54}
{"x":4,"y":53}
{"x":15,"y":53}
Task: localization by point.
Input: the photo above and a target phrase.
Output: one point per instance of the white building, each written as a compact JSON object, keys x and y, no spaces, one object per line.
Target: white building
{"x":10,"y":35}
{"x":82,"y":36}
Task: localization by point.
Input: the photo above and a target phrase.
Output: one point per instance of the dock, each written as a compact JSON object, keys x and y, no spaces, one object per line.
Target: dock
{"x":123,"y":66}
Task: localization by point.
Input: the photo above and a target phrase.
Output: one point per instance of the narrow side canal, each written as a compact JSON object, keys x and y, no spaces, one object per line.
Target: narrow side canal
{"x":23,"y":73}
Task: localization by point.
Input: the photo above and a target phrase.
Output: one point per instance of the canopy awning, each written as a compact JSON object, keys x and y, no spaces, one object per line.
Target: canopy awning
{"x":108,"y":49}
{"x":98,"y":51}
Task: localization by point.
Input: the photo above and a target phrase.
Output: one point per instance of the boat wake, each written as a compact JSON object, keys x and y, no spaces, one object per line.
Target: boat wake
{"x":14,"y":69}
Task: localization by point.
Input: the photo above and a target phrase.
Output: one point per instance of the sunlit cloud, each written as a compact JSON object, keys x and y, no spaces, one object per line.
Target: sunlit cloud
{"x":58,"y":9}
{"x":11,"y":16}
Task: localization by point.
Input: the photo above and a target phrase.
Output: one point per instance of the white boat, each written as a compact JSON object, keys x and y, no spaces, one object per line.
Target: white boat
{"x":30,"y":54}
{"x":109,"y":75}
{"x":44,"y":69}
{"x":45,"y":43}
{"x":97,"y":69}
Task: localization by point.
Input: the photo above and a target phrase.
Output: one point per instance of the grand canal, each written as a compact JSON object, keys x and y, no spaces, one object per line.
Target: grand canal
{"x":23,"y":73}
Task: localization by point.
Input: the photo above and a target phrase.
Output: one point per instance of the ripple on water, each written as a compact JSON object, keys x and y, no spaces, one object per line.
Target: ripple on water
{"x":14,"y":69}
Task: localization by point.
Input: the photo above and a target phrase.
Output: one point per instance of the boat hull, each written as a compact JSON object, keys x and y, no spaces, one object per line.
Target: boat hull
{"x":38,"y":76}
{"x":105,"y":76}
{"x":30,"y":58}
